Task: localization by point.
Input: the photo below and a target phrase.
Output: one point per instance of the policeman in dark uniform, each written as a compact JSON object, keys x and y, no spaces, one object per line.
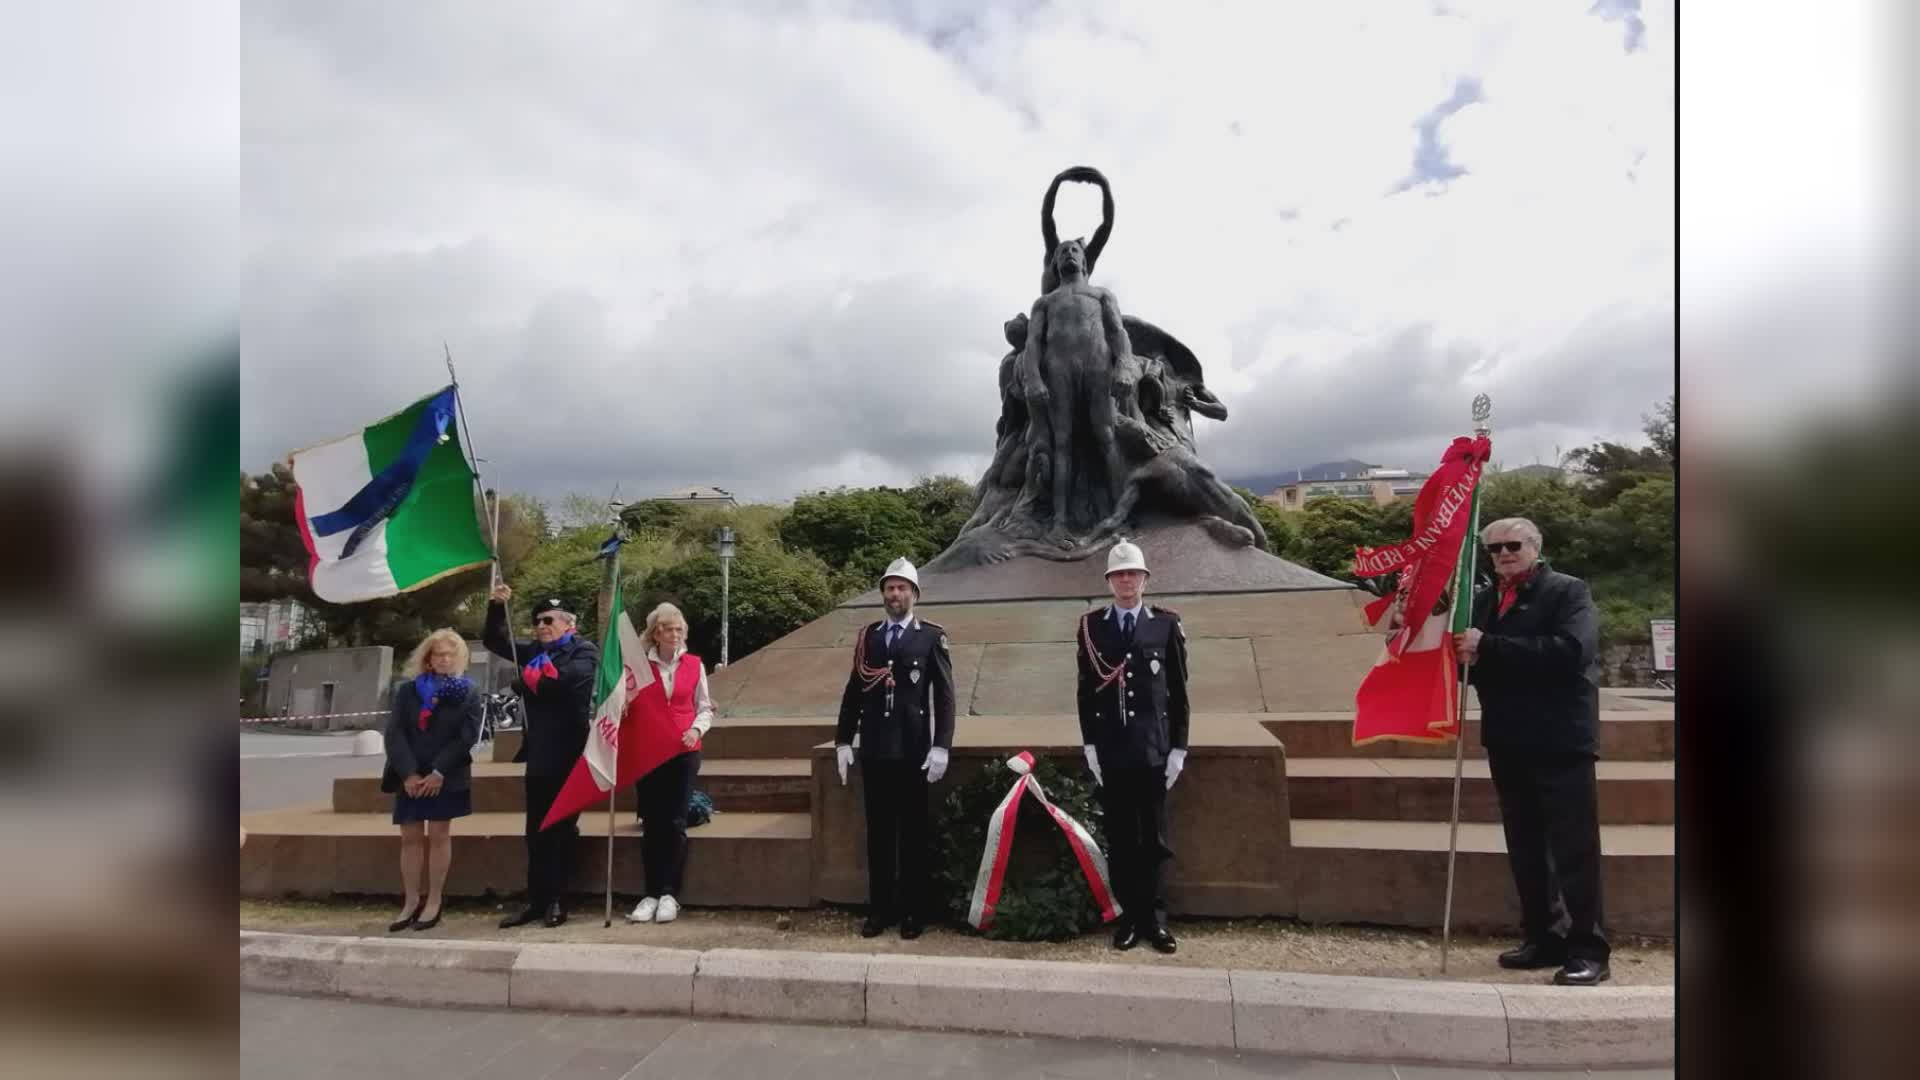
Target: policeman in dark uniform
{"x":555,"y":684}
{"x":899,"y":700}
{"x":1133,"y":720}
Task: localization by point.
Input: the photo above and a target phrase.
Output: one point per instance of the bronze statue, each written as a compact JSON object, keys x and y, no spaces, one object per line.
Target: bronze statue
{"x":1095,"y":435}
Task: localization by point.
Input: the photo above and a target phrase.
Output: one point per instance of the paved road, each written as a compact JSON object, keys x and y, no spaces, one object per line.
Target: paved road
{"x":286,"y":770}
{"x":292,"y":1038}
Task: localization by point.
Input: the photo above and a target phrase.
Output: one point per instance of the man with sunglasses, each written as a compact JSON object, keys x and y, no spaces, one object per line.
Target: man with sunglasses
{"x":555,"y":684}
{"x":1534,"y":650}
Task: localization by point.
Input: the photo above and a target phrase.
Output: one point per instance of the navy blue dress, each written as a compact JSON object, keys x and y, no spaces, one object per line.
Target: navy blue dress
{"x":446,"y":745}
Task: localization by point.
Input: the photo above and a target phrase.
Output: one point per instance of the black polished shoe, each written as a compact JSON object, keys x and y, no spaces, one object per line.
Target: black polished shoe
{"x":526,"y":915}
{"x":875,"y":926}
{"x":910,"y":928}
{"x":1533,"y":956}
{"x":1162,"y":940}
{"x":556,"y":914}
{"x":1580,"y":972}
{"x":401,"y":924}
{"x":1125,"y":938}
{"x":428,"y":924}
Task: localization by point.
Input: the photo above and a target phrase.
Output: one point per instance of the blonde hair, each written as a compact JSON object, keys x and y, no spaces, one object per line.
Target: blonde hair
{"x":447,"y":635}
{"x":663,"y":613}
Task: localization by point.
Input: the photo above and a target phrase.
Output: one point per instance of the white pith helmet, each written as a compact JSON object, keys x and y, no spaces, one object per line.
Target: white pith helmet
{"x":903,"y":569}
{"x":1126,"y":555}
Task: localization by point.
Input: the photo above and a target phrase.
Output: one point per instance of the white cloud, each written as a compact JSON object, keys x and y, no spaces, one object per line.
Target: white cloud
{"x":774,"y":251}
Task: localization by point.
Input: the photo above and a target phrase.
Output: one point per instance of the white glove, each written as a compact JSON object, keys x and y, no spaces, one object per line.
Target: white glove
{"x":935,"y":766}
{"x":1093,"y":765}
{"x":1176,"y":760}
{"x":843,"y":757}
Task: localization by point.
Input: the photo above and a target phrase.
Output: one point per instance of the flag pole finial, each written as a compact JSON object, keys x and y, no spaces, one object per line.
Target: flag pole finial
{"x":1482,"y":414}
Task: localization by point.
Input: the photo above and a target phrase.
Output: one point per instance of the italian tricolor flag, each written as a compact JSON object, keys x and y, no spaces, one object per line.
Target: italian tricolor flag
{"x":1412,"y":692}
{"x":622,"y":745}
{"x":389,"y":508}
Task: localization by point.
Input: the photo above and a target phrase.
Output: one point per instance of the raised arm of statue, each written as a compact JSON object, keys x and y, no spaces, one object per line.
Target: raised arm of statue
{"x":1085,"y":174}
{"x":1202,"y":400}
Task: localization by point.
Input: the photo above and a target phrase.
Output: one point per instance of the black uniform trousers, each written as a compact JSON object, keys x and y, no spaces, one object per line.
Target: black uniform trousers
{"x":549,"y":853}
{"x":898,"y":836}
{"x":664,"y":795}
{"x":1134,"y":801}
{"x":1550,"y":807}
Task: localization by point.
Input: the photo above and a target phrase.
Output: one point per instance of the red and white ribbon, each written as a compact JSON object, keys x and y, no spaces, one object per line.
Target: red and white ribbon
{"x":999,"y":845}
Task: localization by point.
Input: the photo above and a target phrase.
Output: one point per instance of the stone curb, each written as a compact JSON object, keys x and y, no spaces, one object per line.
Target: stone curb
{"x":1323,"y":1016}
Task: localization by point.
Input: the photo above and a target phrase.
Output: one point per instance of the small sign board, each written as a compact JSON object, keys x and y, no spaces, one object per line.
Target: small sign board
{"x":1662,"y":644}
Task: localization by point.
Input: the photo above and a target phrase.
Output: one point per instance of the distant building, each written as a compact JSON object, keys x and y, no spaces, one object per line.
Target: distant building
{"x":696,"y":496}
{"x":1376,"y":484}
{"x":272,"y":626}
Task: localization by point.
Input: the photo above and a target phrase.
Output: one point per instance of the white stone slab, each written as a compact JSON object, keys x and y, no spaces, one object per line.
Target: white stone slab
{"x":427,"y":972}
{"x":1369,"y":1019}
{"x":761,"y":984}
{"x":604,"y":978}
{"x":1595,"y":1026}
{"x":1165,"y":1006}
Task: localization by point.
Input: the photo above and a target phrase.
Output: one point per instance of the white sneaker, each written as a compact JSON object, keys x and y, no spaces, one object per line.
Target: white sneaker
{"x":644,"y":910}
{"x":669,"y":910}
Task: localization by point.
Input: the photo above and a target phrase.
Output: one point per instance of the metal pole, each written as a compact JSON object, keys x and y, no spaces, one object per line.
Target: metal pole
{"x":613,"y":792}
{"x":466,"y":435}
{"x":1453,"y":822}
{"x":726,"y":604}
{"x":1482,"y":421}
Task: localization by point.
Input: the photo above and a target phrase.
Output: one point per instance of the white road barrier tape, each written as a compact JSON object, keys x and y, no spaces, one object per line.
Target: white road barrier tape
{"x":315,"y":716}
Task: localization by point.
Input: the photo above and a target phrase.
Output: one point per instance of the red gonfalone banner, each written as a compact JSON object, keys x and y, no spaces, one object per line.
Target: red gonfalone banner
{"x":1411,"y":692}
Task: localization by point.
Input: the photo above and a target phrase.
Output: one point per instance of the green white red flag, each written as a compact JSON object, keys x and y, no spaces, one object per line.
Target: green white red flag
{"x":622,"y":744}
{"x":1412,"y":692}
{"x":390,"y":507}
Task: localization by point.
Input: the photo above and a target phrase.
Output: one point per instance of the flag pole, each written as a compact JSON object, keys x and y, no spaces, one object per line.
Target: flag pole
{"x":473,"y":466}
{"x":1463,"y":590}
{"x":613,"y":791}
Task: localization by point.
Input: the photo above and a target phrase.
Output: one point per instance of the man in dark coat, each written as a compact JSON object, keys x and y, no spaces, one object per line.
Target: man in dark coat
{"x":555,"y":684}
{"x":1133,"y":722}
{"x":1534,"y":651}
{"x":899,"y":700}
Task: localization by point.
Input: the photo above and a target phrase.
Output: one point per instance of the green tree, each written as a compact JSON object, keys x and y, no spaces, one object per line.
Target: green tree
{"x":773,"y":593}
{"x":653,"y":516}
{"x":1278,"y":524}
{"x":944,"y":504}
{"x":858,"y":531}
{"x":1663,"y":429}
{"x":273,"y":558}
{"x":1331,"y":527}
{"x":1612,"y":468}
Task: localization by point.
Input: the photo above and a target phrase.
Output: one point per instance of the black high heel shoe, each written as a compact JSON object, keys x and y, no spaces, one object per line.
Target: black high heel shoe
{"x":428,"y":924}
{"x":401,"y":924}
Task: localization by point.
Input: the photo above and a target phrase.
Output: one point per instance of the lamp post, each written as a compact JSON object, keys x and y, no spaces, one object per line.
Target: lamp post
{"x":726,"y":586}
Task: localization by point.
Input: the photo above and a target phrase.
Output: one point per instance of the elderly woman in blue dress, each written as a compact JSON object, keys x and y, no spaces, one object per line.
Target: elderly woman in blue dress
{"x":430,"y":737}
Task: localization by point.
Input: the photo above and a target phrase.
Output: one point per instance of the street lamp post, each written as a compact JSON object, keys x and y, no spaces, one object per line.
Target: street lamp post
{"x":726,"y":587}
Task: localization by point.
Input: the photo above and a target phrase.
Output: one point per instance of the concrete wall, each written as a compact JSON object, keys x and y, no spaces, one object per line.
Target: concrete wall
{"x":360,"y":678}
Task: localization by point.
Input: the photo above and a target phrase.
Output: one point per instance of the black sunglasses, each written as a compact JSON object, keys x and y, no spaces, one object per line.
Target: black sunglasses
{"x":547,"y":620}
{"x":1506,"y":545}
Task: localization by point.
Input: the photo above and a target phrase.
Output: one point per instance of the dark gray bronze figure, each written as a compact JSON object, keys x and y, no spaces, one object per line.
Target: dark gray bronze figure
{"x":1095,"y":436}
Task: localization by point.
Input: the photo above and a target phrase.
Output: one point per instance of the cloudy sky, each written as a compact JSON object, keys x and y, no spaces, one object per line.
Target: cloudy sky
{"x":771,"y":247}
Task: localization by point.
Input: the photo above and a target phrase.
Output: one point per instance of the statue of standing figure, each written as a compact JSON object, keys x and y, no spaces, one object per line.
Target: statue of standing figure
{"x":1095,"y":435}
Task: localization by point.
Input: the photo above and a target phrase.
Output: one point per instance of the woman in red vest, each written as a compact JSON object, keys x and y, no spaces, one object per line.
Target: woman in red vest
{"x":677,"y":697}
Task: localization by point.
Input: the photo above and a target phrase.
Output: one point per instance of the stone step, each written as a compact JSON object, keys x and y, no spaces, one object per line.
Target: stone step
{"x":736,"y":860}
{"x":1394,"y":873}
{"x":1625,"y":735}
{"x":731,"y":737}
{"x":734,"y":785}
{"x":1413,"y":789}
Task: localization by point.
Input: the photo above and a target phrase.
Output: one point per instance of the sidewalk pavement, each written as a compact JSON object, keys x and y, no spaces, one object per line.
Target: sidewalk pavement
{"x":293,"y":1038}
{"x":1208,"y":1010}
